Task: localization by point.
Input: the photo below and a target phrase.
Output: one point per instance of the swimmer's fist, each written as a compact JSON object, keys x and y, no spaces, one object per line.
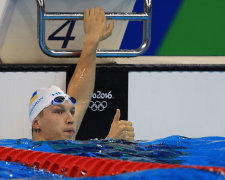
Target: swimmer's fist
{"x":121,"y":129}
{"x":95,"y":26}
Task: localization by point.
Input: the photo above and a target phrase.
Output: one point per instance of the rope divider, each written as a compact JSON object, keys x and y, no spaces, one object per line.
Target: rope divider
{"x":79,"y":166}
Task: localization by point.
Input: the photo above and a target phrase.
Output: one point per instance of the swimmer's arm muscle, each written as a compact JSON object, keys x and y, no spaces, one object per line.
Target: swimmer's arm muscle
{"x":81,"y":85}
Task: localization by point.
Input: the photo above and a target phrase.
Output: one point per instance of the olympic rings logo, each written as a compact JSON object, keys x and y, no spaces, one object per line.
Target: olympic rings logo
{"x":98,"y":106}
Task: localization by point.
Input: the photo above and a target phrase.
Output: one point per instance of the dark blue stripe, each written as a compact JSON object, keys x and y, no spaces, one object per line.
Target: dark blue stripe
{"x":34,"y":94}
{"x":163,"y":13}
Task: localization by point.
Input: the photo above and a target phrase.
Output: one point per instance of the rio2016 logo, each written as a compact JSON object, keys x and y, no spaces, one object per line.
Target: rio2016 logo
{"x":96,"y":104}
{"x":100,"y":95}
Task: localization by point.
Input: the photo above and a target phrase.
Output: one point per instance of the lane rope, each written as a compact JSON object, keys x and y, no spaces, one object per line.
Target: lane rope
{"x":79,"y":166}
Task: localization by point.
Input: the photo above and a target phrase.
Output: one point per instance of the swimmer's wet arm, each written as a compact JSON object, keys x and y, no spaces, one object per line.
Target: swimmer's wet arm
{"x":81,"y":85}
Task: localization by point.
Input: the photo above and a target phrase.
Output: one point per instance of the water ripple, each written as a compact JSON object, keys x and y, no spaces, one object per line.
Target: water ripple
{"x":206,"y":151}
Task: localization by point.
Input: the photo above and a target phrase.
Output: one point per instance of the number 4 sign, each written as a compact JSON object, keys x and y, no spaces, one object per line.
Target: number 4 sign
{"x":66,"y":38}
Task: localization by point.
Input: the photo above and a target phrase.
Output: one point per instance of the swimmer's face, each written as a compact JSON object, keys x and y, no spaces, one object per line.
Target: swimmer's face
{"x":57,"y":122}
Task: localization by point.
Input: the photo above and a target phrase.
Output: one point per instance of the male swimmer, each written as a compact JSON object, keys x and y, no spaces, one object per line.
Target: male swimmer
{"x":56,"y":115}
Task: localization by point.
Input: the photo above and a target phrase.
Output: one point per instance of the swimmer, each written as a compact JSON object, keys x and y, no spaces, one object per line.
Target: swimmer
{"x":56,"y":115}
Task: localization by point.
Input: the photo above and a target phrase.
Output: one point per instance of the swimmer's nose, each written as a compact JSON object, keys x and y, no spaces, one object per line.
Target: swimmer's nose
{"x":69,"y":118}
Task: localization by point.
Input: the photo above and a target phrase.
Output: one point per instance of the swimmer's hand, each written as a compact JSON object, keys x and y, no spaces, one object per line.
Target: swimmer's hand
{"x":95,"y":26}
{"x":121,"y":129}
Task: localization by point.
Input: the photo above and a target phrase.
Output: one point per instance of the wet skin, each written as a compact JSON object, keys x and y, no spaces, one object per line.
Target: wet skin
{"x":57,"y":122}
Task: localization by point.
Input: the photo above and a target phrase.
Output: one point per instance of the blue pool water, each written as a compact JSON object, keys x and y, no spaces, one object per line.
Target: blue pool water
{"x":206,"y":151}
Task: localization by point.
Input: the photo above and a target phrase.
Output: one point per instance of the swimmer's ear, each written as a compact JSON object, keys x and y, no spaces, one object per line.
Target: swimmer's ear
{"x":36,"y":124}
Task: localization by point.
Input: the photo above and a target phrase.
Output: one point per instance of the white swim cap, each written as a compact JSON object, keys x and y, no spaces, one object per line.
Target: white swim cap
{"x":41,"y":99}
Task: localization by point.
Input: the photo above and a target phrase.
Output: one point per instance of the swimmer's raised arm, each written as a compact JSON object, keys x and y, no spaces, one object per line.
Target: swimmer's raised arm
{"x":81,"y":85}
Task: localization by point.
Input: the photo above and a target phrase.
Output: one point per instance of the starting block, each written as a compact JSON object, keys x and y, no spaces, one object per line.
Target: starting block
{"x":51,"y":31}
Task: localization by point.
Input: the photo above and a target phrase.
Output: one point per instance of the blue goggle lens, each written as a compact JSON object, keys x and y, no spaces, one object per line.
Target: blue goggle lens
{"x":73,"y":100}
{"x":61,"y":99}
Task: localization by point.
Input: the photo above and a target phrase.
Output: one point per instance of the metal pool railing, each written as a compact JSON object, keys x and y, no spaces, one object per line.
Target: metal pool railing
{"x":145,"y":17}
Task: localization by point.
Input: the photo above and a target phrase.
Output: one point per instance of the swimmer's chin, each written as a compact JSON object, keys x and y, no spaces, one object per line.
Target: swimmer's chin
{"x":72,"y":137}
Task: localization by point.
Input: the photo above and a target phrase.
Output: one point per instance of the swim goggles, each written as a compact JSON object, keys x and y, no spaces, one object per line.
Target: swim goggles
{"x":61,"y":99}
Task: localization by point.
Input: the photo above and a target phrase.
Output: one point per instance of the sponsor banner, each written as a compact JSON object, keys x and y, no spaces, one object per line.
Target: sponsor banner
{"x":111,"y":93}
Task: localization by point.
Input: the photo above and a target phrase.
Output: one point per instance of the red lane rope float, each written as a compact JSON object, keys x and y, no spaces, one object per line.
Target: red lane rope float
{"x":79,"y":166}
